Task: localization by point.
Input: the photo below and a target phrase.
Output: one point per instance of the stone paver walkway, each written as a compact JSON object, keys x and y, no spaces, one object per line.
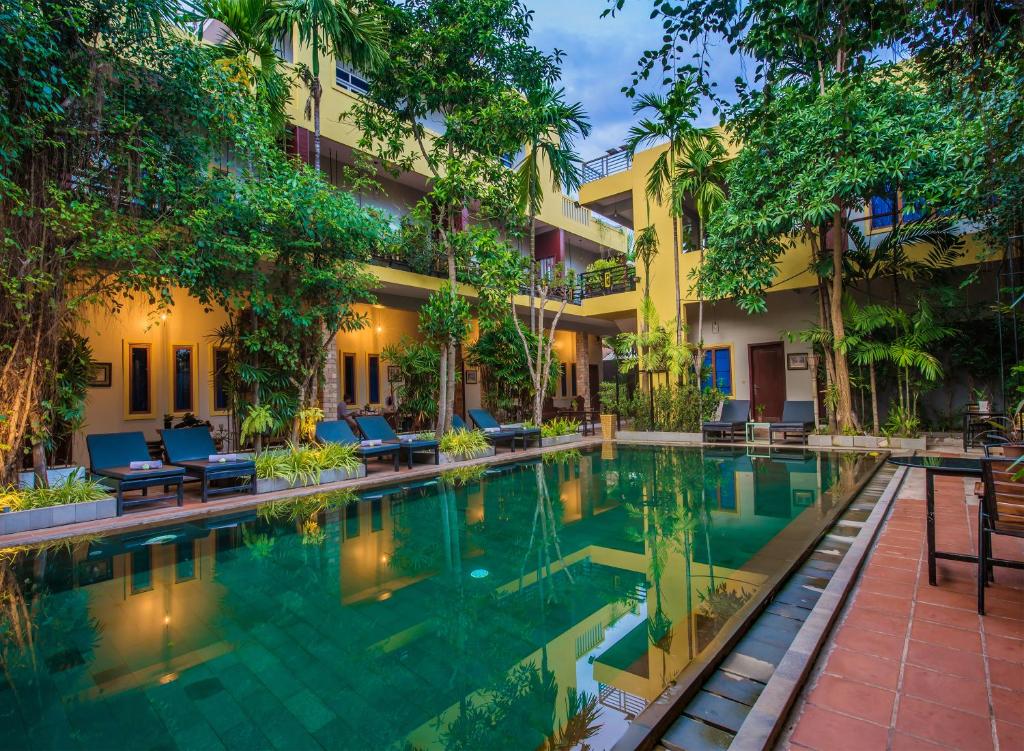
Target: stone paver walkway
{"x":912,"y":666}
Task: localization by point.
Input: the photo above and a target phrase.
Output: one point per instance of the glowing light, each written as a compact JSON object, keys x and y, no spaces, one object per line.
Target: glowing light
{"x":380,"y":329}
{"x":168,"y":678}
{"x":384,"y":595}
{"x":479,"y":573}
{"x":167,"y":620}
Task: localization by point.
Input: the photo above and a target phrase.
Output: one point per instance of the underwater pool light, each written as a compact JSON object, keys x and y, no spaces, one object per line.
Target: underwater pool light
{"x":479,"y":573}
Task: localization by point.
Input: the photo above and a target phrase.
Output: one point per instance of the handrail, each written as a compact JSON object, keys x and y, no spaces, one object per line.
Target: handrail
{"x":609,"y":164}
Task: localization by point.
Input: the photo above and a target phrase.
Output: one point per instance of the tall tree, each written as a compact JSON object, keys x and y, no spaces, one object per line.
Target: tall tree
{"x":817,"y":77}
{"x":345,"y":30}
{"x":246,"y":45}
{"x":700,"y":174}
{"x":469,"y":64}
{"x":670,"y":120}
{"x":552,"y":126}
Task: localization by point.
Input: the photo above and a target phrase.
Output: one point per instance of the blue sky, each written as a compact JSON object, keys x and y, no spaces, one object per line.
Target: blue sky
{"x":600,"y":55}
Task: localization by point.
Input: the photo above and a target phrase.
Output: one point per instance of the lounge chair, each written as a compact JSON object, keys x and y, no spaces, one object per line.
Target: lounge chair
{"x":376,"y":428}
{"x":733,"y":422}
{"x":494,"y":437}
{"x":1001,"y":512}
{"x":485,"y":420}
{"x":192,"y":448}
{"x":339,"y":431}
{"x":111,"y":455}
{"x":797,"y":420}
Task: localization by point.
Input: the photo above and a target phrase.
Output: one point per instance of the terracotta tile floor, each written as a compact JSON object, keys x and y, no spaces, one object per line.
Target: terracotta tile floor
{"x":912,"y":666}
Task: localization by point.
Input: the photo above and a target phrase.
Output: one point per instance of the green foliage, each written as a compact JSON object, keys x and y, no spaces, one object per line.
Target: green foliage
{"x":416,"y":394}
{"x":902,"y":422}
{"x":463,"y":444}
{"x":306,"y":507}
{"x":559,"y":426}
{"x":258,"y":421}
{"x":460,"y":477}
{"x":653,"y":348}
{"x":66,"y":412}
{"x":302,"y":464}
{"x":75,"y":490}
{"x":307,"y":420}
{"x":507,"y":384}
{"x":677,"y":409}
{"x":445,"y":317}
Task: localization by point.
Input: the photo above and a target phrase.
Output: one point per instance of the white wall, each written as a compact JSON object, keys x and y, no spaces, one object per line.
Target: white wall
{"x":725,"y":324}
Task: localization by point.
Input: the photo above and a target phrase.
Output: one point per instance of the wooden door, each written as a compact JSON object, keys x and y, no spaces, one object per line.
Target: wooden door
{"x":767,"y":380}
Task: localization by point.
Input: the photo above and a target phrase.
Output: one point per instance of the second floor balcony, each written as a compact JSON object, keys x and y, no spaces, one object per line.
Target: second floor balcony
{"x":614,"y":161}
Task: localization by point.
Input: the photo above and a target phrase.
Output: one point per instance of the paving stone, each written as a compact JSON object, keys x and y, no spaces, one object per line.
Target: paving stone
{"x":735,"y":687}
{"x":717,"y":710}
{"x":748,"y":667}
{"x":686,"y":734}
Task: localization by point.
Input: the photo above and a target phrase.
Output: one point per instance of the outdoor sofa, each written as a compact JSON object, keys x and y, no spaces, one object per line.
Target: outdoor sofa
{"x":124,"y":459}
{"x":376,"y":428}
{"x":485,"y":421}
{"x":797,"y":420}
{"x":193,"y":449}
{"x":732,"y":423}
{"x":339,"y":431}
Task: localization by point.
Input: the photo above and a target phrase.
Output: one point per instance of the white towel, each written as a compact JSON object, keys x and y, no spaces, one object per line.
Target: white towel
{"x":222,"y":458}
{"x":371,"y":443}
{"x":492,"y":430}
{"x":151,"y":464}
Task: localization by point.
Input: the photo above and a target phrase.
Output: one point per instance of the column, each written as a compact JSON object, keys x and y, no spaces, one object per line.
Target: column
{"x":583,"y":368}
{"x":331,"y":394}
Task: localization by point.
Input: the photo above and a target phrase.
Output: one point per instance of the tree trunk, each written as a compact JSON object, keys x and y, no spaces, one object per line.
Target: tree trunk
{"x":442,"y":396}
{"x":316,"y":124}
{"x":844,"y":406}
{"x":679,"y":292}
{"x":874,"y":397}
{"x":449,"y":410}
{"x":699,"y":355}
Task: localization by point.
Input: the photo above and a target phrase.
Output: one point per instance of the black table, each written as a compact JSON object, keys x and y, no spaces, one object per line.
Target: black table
{"x":978,"y":423}
{"x":949,"y":467}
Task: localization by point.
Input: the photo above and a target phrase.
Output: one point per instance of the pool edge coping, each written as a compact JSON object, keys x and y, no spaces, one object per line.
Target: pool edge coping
{"x":645,"y":733}
{"x":767,"y":718}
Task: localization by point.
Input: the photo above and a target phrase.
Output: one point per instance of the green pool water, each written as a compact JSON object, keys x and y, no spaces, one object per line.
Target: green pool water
{"x":528,"y":604}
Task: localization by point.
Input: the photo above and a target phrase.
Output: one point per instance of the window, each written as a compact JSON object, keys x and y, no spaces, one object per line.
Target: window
{"x":183,"y":372}
{"x":283,"y":47}
{"x":351,"y":520}
{"x":349,"y":79}
{"x":348,"y":378}
{"x":184,"y":561}
{"x":221,"y":359}
{"x":890,"y":209}
{"x":373,"y":375}
{"x":572,"y":384}
{"x":561,"y":370}
{"x":139,"y":382}
{"x":718,"y":369}
{"x":142,"y":570}
{"x":376,"y":515}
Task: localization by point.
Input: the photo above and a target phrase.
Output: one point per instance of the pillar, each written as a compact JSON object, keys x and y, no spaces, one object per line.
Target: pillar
{"x":331,"y":395}
{"x":583,"y":368}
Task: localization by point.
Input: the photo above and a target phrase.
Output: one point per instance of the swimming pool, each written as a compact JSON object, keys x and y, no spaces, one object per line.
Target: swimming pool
{"x":499,"y":607}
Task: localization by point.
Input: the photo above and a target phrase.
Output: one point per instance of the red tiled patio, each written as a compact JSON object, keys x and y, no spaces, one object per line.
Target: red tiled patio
{"x":912,"y":666}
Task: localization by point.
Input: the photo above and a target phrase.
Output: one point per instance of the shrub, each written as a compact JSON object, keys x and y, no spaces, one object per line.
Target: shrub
{"x":73,"y":491}
{"x":558,"y":426}
{"x":302,"y":465}
{"x":678,"y":409}
{"x":463,"y":444}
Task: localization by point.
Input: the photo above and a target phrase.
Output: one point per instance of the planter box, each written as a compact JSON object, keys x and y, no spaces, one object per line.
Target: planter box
{"x":662,"y":436}
{"x":12,"y":522}
{"x":842,"y":441}
{"x":273,"y":485}
{"x":819,"y":441}
{"x":560,"y":440}
{"x":55,"y":476}
{"x":447,"y":458}
{"x":607,"y":427}
{"x":910,"y":444}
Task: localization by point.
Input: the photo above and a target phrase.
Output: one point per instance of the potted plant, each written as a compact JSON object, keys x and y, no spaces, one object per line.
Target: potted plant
{"x":77,"y":500}
{"x":981,"y":400}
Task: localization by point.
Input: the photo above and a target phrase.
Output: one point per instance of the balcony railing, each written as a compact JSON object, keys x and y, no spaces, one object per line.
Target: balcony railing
{"x":609,"y":164}
{"x":588,"y":283}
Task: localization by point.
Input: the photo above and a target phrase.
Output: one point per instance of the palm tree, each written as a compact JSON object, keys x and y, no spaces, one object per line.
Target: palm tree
{"x":342,"y":29}
{"x":700,"y":172}
{"x":248,"y":48}
{"x":670,"y":120}
{"x":552,"y":131}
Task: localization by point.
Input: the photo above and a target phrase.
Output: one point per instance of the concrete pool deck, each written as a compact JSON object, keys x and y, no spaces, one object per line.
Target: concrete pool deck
{"x":912,"y":666}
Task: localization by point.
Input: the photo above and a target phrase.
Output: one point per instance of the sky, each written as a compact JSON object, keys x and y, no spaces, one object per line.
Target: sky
{"x":600,"y":55}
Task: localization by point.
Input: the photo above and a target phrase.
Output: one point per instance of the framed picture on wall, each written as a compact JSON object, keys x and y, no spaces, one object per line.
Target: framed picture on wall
{"x":471,"y":377}
{"x":394,"y":374}
{"x":796,"y":361}
{"x":100,"y":375}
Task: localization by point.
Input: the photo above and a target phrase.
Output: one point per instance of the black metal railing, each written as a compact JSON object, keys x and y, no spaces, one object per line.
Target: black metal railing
{"x":588,"y":283}
{"x":609,"y":164}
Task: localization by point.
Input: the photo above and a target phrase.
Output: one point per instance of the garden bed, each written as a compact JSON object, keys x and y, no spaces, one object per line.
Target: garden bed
{"x":867,"y":442}
{"x":560,"y":440}
{"x":12,"y":522}
{"x":448,"y":458}
{"x":274,"y":484}
{"x":659,"y":435}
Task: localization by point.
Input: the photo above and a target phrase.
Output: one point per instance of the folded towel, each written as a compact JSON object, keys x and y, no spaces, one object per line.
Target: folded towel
{"x":223,"y":458}
{"x":492,"y":430}
{"x":371,"y":443}
{"x":151,"y":464}
{"x":512,"y":426}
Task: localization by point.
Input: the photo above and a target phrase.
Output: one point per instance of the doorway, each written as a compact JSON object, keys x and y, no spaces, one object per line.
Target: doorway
{"x":767,"y":380}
